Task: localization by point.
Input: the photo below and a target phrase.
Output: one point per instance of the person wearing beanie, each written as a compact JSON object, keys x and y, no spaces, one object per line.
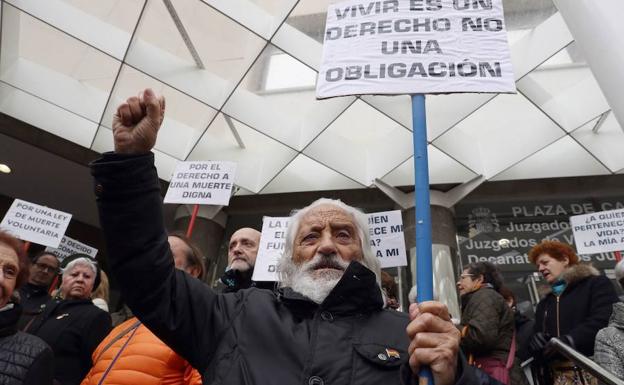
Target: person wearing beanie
{"x":609,"y":347}
{"x":579,"y":304}
{"x":71,"y":324}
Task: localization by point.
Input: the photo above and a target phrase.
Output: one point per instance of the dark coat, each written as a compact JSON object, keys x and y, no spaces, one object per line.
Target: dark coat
{"x":32,"y":299}
{"x":24,"y":358}
{"x":581,"y":310}
{"x":524,"y":331}
{"x":490,"y":324}
{"x":73,"y":329}
{"x":253,"y":336}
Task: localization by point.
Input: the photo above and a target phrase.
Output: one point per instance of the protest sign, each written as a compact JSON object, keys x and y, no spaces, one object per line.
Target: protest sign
{"x":34,"y":223}
{"x":69,"y":246}
{"x":387,"y":239}
{"x":385,"y":229}
{"x":599,"y":232}
{"x":272,"y":241}
{"x":415,"y":46}
{"x":207,"y":183}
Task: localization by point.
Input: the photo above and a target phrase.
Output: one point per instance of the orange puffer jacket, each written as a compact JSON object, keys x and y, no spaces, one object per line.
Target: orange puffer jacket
{"x":146,"y":360}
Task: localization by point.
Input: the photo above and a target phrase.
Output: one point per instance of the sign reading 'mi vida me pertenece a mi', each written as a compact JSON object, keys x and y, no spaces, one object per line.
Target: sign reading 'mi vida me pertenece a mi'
{"x":599,"y":232}
{"x":205,"y":182}
{"x":35,"y":223}
{"x":386,"y":240}
{"x":415,"y":46}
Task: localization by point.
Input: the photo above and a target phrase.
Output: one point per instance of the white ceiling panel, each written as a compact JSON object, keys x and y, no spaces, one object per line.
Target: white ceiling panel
{"x":398,"y":107}
{"x":565,"y":88}
{"x":221,"y":142}
{"x":499,"y":134}
{"x":103,"y":141}
{"x":46,"y":116}
{"x":261,"y":16}
{"x":564,"y":158}
{"x":442,"y":169}
{"x":606,"y":143}
{"x":286,"y":110}
{"x":305,"y":174}
{"x":224,"y":48}
{"x":78,"y":80}
{"x":104,"y":24}
{"x":362,"y":144}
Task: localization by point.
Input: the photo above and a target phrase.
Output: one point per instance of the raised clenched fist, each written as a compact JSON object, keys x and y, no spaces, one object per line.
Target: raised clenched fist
{"x":136,"y":123}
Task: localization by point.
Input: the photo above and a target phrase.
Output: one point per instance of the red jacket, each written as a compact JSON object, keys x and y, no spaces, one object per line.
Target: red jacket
{"x":145,"y":360}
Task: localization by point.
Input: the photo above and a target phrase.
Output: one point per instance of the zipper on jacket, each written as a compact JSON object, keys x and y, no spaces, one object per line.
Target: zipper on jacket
{"x":558,"y":332}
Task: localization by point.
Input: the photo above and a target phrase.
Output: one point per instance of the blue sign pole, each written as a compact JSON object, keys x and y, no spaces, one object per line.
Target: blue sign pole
{"x":424,"y":271}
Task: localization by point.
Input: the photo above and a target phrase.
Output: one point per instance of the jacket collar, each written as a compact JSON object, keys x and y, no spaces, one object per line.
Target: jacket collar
{"x":235,"y":280}
{"x":9,"y":318}
{"x":356,"y":292}
{"x":576,"y":273}
{"x":34,"y":290}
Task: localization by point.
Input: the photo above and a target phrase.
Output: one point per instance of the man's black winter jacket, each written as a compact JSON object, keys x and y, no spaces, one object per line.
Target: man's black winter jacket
{"x":253,"y":336}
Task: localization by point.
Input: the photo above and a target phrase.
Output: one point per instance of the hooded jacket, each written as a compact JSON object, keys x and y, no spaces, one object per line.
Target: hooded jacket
{"x":581,"y":310}
{"x":144,"y":360}
{"x":609,"y":348}
{"x":253,"y":336}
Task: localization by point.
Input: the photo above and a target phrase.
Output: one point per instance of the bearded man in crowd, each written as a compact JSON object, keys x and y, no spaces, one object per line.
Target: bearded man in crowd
{"x":325,"y":325}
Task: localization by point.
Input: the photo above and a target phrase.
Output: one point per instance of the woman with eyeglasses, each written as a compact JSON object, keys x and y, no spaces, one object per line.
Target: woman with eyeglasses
{"x":71,"y":324}
{"x":25,"y":359}
{"x":487,"y":323}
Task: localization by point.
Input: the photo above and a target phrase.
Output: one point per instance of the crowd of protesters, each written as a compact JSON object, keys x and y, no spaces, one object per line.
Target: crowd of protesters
{"x":333,"y":317}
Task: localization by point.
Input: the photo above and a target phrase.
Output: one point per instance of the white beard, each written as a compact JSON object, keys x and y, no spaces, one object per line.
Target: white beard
{"x":316,"y":284}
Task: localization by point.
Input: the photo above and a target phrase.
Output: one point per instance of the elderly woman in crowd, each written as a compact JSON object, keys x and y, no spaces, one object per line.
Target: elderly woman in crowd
{"x":25,"y":358}
{"x":72,"y":325}
{"x":579,"y":304}
{"x":487,"y":323}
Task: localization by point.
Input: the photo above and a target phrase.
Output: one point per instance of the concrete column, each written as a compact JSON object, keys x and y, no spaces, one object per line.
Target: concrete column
{"x":597,"y":27}
{"x":445,"y":259}
{"x":207,"y":233}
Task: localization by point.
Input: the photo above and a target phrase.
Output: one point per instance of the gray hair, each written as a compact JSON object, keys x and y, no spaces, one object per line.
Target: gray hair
{"x":285,"y":265}
{"x":80,"y":261}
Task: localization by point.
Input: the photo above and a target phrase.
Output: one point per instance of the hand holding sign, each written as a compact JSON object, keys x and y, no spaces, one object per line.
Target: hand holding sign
{"x":136,"y":123}
{"x":434,"y":341}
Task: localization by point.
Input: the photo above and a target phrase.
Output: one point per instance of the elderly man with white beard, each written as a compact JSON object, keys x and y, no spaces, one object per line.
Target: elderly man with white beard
{"x":324,"y":325}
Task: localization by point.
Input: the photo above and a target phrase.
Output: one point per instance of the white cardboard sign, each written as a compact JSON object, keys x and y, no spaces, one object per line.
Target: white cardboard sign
{"x":272,"y":241}
{"x":385,"y":228}
{"x":387,"y":239}
{"x":35,"y":223}
{"x":69,"y":246}
{"x":206,"y":182}
{"x":599,"y":232}
{"x":415,"y":46}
